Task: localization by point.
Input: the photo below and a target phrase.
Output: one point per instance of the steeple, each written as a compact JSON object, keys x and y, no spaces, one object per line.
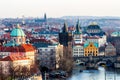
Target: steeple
{"x":45,"y":17}
{"x":18,"y":26}
{"x":65,"y":28}
{"x":78,"y":27}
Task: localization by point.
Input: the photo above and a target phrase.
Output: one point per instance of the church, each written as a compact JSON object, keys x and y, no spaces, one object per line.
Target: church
{"x":17,"y":52}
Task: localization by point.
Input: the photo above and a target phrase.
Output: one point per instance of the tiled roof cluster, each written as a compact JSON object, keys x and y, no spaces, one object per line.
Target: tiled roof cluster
{"x":14,"y":57}
{"x":21,"y":48}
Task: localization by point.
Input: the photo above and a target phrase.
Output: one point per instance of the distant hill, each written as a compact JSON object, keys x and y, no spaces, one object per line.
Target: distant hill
{"x":104,"y":21}
{"x":90,"y":17}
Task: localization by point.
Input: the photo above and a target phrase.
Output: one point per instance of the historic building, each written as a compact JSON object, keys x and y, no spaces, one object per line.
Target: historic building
{"x":18,"y":44}
{"x":78,"y":42}
{"x":44,"y":20}
{"x":96,"y":39}
{"x":65,"y":39}
{"x":50,"y":55}
{"x":77,"y":35}
{"x":91,"y":49}
{"x":17,"y":53}
{"x":110,"y":50}
{"x":95,"y":34}
{"x":94,"y":30}
{"x":78,"y":50}
{"x":16,"y":61}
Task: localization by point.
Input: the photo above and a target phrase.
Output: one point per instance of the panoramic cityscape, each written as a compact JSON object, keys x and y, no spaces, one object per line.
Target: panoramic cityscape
{"x":59,"y":40}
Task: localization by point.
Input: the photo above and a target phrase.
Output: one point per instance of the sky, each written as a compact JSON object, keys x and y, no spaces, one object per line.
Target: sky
{"x":59,"y":8}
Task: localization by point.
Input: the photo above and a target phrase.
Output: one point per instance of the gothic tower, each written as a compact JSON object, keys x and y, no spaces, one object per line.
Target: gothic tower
{"x":45,"y":17}
{"x":65,"y":39}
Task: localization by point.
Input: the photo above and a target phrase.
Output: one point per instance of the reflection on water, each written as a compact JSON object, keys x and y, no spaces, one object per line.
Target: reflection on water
{"x":100,"y":74}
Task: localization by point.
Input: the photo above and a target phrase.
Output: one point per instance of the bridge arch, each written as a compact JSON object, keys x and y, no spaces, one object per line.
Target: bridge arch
{"x":101,"y":63}
{"x":79,"y":62}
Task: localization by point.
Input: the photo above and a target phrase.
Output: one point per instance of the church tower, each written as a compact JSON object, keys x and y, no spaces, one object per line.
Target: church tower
{"x":78,"y":34}
{"x":65,"y":36}
{"x":45,"y":17}
{"x":65,"y":39}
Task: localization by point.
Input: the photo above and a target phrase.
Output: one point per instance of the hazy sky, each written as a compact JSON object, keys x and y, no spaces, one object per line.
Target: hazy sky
{"x":58,"y":8}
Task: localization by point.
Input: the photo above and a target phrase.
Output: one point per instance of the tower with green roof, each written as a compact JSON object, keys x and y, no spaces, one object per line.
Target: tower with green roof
{"x":78,"y":33}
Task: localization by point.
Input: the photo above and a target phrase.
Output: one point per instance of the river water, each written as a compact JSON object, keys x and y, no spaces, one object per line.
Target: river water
{"x":100,"y":74}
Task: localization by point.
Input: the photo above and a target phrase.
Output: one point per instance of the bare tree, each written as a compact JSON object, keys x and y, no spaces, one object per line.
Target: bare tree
{"x":1,"y":72}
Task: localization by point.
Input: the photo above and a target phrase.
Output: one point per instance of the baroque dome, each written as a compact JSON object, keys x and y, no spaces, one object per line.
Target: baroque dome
{"x":17,"y":32}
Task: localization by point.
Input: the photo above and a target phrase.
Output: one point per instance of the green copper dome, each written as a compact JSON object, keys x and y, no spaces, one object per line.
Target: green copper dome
{"x":115,"y":34}
{"x":17,"y":32}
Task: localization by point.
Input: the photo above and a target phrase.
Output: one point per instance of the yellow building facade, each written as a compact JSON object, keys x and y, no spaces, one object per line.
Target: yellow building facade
{"x":91,"y":49}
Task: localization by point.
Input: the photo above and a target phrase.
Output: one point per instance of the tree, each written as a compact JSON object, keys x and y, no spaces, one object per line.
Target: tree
{"x":66,"y":64}
{"x":1,"y":72}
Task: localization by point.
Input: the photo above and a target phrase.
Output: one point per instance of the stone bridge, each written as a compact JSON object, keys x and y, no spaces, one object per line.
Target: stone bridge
{"x":96,"y":60}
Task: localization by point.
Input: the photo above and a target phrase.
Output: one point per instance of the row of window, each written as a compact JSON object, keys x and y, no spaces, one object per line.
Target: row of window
{"x":78,"y":55}
{"x":78,"y":49}
{"x":78,"y":52}
{"x":46,"y":49}
{"x":91,"y":51}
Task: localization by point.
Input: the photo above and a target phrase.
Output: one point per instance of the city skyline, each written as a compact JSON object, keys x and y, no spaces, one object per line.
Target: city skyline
{"x":58,"y":8}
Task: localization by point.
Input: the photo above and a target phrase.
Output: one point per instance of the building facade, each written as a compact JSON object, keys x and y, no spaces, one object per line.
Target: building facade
{"x":50,"y":55}
{"x":110,"y":50}
{"x":91,"y":49}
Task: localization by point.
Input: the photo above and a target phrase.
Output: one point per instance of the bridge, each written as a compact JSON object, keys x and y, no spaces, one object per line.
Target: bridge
{"x":97,"y":60}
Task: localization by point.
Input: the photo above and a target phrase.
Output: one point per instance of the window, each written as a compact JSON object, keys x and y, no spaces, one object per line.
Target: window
{"x":75,"y":49}
{"x":91,"y":45}
{"x":45,"y":49}
{"x":40,"y":49}
{"x":20,"y":40}
{"x":14,"y":40}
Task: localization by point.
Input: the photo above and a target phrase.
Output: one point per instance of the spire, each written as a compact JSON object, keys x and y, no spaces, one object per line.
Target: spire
{"x":65,"y":28}
{"x":18,"y":26}
{"x":78,"y":27}
{"x":45,"y":17}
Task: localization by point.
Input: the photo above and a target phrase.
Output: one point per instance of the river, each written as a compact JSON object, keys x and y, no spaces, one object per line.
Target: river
{"x":100,"y":74}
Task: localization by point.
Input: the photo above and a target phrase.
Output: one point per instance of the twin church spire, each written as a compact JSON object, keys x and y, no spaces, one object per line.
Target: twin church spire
{"x":77,"y":30}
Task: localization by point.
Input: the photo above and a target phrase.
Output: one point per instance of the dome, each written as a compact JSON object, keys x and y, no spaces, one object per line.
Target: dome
{"x":17,"y":32}
{"x":115,"y":34}
{"x":93,"y":27}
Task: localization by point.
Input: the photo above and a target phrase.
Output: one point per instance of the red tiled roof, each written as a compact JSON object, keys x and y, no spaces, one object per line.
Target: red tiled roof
{"x":14,"y":58}
{"x":7,"y":35}
{"x":56,"y":40}
{"x":21,"y":48}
